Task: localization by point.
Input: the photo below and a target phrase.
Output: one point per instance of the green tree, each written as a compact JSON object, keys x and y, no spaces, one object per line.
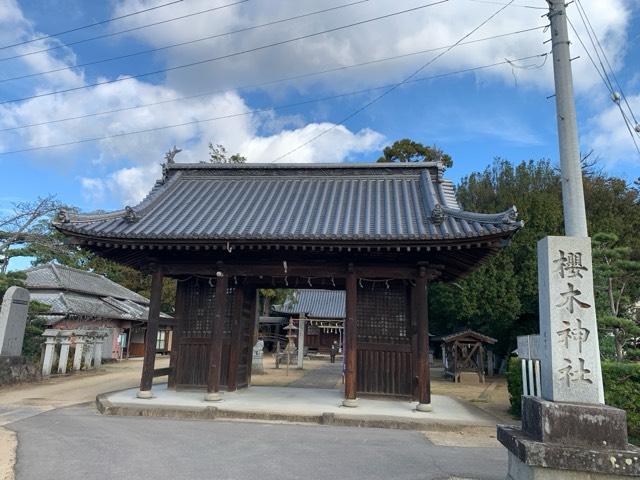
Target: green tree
{"x":406,"y":151}
{"x":534,"y":187}
{"x":617,"y":282}
{"x":500,"y":298}
{"x":27,"y":228}
{"x":273,"y":296}
{"x":218,"y":154}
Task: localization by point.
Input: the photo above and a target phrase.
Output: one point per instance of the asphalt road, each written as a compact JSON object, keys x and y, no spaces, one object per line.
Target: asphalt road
{"x":77,"y":443}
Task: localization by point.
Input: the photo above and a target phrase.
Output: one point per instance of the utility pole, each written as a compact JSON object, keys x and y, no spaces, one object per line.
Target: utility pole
{"x":575,"y":220}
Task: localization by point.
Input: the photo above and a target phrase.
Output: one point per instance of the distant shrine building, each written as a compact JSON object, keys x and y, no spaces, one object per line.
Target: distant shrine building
{"x":380,"y":232}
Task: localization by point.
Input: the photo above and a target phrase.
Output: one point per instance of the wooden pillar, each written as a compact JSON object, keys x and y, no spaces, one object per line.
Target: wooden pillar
{"x":422,"y":311}
{"x":151,"y":336}
{"x":237,"y":325}
{"x":177,"y":335}
{"x":481,"y":362}
{"x":252,"y":327}
{"x":215,"y":347}
{"x":351,"y":337}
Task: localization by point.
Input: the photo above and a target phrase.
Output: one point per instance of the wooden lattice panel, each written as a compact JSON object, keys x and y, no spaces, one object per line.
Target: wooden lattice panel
{"x":197,"y":314}
{"x":385,"y":351}
{"x":199,"y":307}
{"x":383,"y":313}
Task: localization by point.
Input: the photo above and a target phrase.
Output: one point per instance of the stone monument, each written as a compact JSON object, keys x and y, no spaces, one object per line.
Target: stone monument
{"x":13,"y":320}
{"x":568,"y":432}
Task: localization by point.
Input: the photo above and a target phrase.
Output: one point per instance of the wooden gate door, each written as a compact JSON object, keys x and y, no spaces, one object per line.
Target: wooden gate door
{"x":243,"y":322}
{"x":385,"y":359}
{"x":195,"y":309}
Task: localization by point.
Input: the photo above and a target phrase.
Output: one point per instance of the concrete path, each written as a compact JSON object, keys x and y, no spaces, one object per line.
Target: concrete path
{"x":327,"y":375}
{"x":77,"y":444}
{"x":22,"y":401}
{"x":19,"y":402}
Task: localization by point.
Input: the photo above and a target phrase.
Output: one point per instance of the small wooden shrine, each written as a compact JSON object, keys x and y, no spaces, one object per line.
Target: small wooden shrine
{"x":379,"y":231}
{"x":464,"y":352}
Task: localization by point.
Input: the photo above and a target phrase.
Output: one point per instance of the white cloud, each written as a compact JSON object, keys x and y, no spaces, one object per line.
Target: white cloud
{"x":143,"y":153}
{"x":422,"y":29}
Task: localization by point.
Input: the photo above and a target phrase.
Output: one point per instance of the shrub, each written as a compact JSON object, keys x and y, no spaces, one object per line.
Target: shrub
{"x":621,"y":390}
{"x":514,"y":384}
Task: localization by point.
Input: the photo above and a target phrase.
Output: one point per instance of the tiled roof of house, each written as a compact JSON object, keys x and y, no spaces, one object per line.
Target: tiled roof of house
{"x":323,"y":202}
{"x":59,"y":277}
{"x":72,"y":292}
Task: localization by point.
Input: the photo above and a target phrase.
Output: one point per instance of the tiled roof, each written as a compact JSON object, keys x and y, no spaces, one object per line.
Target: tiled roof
{"x":75,"y":293}
{"x":59,"y":277}
{"x":330,"y":202}
{"x":467,"y":334}
{"x":315,"y":304}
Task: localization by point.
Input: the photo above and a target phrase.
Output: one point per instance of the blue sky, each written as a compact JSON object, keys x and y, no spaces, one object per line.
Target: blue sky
{"x":501,"y":111}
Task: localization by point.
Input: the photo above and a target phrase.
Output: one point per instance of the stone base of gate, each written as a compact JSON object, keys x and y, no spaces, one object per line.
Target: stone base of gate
{"x":300,"y":405}
{"x":566,"y":441}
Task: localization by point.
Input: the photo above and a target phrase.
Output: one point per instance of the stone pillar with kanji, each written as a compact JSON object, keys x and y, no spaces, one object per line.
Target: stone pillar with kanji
{"x":569,"y":432}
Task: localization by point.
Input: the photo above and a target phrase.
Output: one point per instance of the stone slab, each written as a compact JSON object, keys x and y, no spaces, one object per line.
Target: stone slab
{"x":554,"y":456}
{"x":470,"y":378}
{"x":569,"y":349}
{"x":594,"y":426}
{"x":518,"y":470}
{"x":529,"y":347}
{"x":13,"y":320}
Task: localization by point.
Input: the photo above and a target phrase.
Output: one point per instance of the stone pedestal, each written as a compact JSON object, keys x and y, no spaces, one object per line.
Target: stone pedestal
{"x":561,"y":440}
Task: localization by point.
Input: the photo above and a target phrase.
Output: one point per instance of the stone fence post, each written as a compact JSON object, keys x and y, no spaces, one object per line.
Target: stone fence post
{"x":88,"y":351}
{"x":97,"y":351}
{"x":50,"y":336}
{"x":65,"y":344}
{"x":80,"y":342}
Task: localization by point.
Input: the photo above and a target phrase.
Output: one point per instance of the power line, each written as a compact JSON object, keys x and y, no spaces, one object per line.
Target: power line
{"x":276,"y":108}
{"x":394,"y":87}
{"x":102,"y":22}
{"x":270,"y":82}
{"x":120,"y":32}
{"x":190,"y":42}
{"x":586,"y":21}
{"x":605,"y":78}
{"x":491,"y":2}
{"x":229,"y":55}
{"x":593,"y":62}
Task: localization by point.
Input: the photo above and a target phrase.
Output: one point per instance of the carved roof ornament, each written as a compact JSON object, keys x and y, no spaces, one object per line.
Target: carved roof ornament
{"x":437,"y":215}
{"x":130,"y":215}
{"x":169,"y":158}
{"x":511,"y":215}
{"x":63,"y":215}
{"x":171,"y":154}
